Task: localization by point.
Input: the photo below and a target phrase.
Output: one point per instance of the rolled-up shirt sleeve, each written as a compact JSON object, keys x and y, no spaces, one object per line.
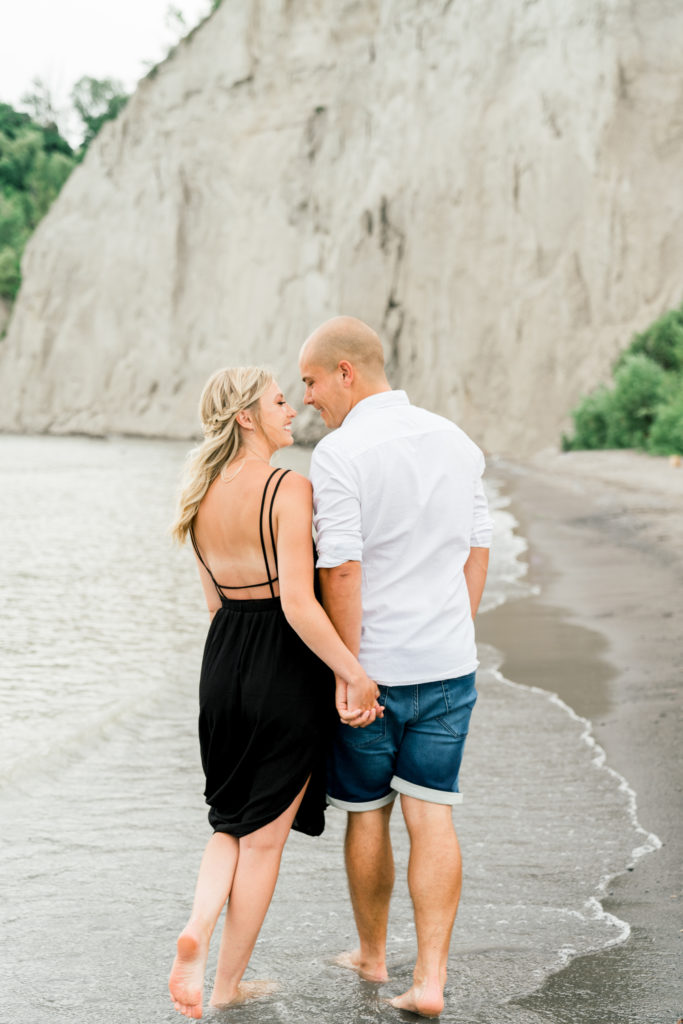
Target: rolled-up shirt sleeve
{"x":336,"y":509}
{"x":482,"y":524}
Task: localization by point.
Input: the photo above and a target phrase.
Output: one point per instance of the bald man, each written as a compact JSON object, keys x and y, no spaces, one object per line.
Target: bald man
{"x":403,"y":532}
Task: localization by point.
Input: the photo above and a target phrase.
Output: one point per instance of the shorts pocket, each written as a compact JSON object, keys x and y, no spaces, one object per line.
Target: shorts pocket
{"x":460,"y":696}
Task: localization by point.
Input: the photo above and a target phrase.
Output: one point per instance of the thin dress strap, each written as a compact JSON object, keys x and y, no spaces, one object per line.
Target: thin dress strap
{"x":268,"y":582}
{"x":199,"y":556}
{"x":270,"y":579}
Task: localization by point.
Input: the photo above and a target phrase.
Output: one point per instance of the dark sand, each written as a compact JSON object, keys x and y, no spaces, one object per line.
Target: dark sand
{"x":605,"y":533}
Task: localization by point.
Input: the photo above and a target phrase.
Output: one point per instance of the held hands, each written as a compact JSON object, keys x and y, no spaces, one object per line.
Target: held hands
{"x":356,"y":701}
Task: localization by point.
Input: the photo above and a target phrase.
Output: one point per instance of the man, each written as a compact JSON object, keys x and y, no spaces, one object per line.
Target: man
{"x":403,"y":532}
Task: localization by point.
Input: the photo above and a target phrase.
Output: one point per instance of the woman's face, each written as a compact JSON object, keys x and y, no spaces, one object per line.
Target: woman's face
{"x":275,"y":417}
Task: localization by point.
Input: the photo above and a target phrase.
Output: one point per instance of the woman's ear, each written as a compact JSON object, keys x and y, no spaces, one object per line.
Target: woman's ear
{"x":243,"y":418}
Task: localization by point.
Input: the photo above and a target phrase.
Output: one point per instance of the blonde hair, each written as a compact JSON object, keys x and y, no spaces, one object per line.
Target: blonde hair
{"x":226,"y":393}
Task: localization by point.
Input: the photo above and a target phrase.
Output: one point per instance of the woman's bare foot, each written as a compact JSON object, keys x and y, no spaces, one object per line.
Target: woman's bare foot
{"x":368,"y":971}
{"x":245,"y":991}
{"x":425,"y":999}
{"x":187,"y":974}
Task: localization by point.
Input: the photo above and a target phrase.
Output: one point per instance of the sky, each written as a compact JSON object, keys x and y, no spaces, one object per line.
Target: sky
{"x":60,"y":41}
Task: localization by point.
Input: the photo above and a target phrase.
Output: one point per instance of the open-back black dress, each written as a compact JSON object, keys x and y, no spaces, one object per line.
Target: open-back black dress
{"x":266,"y":708}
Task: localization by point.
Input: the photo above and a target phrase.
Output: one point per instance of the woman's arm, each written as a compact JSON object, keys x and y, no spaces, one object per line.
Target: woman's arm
{"x":294,"y":516}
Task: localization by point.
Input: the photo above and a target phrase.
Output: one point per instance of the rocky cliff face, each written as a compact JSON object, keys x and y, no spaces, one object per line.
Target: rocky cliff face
{"x":495,"y":187}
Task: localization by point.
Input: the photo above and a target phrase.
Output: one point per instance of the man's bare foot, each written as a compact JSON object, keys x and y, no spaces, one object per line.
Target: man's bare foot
{"x":187,"y":974}
{"x":426,"y":999}
{"x":367,"y":971}
{"x":245,"y":991}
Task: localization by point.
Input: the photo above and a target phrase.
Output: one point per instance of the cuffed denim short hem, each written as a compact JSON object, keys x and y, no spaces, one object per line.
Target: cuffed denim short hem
{"x":416,"y":748}
{"x":432,"y":796}
{"x":363,"y":805}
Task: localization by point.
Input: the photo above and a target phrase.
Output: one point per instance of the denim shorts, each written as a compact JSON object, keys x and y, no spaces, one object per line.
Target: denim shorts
{"x":415,"y":749}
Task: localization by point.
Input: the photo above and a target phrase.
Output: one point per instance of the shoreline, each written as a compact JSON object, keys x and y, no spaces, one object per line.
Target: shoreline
{"x":603,"y":630}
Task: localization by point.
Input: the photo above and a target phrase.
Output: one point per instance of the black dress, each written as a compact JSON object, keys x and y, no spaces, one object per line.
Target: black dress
{"x":266,"y":709}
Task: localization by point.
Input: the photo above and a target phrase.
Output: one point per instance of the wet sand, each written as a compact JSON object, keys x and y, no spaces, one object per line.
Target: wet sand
{"x":605,"y":632}
{"x":103,"y":820}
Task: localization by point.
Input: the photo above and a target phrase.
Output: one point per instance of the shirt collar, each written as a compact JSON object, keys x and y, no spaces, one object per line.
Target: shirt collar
{"x":382,"y":400}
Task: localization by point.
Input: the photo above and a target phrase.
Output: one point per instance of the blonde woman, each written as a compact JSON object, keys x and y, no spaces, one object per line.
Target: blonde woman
{"x":264,"y":691}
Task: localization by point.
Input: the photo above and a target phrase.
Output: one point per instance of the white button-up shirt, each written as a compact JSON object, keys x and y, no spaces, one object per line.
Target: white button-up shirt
{"x":399,"y":489}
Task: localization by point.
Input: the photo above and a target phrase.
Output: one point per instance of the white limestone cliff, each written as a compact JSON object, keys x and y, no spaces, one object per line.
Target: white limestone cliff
{"x":496,"y":187}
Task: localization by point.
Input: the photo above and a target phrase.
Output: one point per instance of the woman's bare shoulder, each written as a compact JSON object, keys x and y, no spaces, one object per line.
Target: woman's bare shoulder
{"x":295,"y":480}
{"x":296,"y":488}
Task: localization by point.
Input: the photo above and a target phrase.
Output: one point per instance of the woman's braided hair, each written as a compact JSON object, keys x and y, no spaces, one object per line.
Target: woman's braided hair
{"x":225,"y":394}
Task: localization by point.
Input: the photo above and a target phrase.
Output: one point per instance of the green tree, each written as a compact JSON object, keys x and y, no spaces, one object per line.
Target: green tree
{"x":96,"y":101}
{"x":12,"y":222}
{"x":40,"y":103}
{"x":175,"y":20}
{"x":13,"y":236}
{"x":35,"y":161}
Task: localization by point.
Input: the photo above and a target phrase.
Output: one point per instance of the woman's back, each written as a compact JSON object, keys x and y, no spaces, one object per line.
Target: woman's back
{"x":235,"y":530}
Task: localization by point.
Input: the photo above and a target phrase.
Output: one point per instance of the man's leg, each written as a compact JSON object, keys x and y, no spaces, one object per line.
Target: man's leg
{"x":370,"y":869}
{"x":434,"y":880}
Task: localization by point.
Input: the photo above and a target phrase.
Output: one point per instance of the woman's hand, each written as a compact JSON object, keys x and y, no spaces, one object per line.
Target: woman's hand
{"x":356,"y":701}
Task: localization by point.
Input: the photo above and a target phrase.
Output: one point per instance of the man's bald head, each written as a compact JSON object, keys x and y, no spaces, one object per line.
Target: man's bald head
{"x":341,"y":364}
{"x":346,"y":338}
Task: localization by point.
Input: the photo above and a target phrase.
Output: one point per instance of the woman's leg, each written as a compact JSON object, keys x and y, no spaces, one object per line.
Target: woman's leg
{"x":216,"y":874}
{"x":252,"y":890}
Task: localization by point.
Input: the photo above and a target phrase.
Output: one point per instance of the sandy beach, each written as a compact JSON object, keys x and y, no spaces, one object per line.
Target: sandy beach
{"x":605,"y":632}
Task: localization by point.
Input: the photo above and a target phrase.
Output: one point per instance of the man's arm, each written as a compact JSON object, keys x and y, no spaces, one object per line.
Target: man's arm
{"x":475,"y":569}
{"x":477,"y":564}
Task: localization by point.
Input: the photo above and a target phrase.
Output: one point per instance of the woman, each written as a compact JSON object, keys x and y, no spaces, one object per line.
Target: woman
{"x":264,"y":695}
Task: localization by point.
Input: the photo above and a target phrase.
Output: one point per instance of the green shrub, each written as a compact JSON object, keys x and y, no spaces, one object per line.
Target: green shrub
{"x":644,"y":408}
{"x":590,"y":421}
{"x":638,"y":391}
{"x":662,"y":342}
{"x":666,"y":436}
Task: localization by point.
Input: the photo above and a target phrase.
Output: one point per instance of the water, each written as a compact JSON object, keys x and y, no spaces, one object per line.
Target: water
{"x":102,"y":816}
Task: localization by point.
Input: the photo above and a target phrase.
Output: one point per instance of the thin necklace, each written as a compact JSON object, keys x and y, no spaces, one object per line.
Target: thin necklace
{"x":249,"y":458}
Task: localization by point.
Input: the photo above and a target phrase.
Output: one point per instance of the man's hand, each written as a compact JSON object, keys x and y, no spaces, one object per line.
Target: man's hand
{"x":349,"y":705}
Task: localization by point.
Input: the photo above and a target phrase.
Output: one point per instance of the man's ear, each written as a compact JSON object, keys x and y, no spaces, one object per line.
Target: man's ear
{"x":347,"y":372}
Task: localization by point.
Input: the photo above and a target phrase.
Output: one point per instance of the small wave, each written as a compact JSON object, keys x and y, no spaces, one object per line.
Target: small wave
{"x":617,"y":930}
{"x":509,"y":582}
